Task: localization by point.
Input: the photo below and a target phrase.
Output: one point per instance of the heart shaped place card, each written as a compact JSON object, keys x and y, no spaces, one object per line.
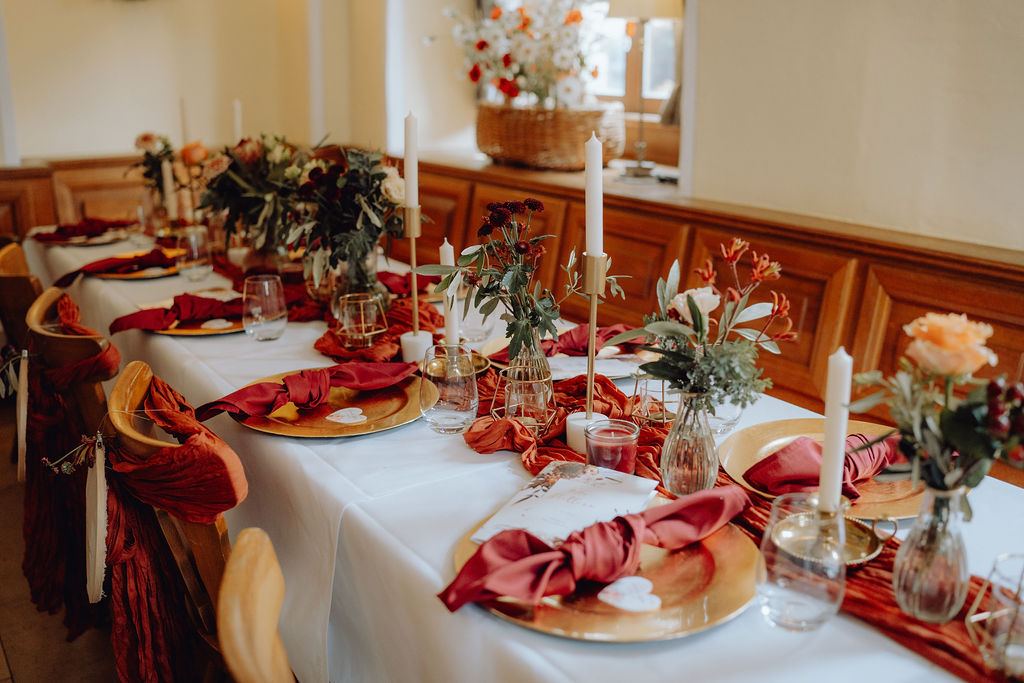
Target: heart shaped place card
{"x":632,"y":594}
{"x":347,"y":416}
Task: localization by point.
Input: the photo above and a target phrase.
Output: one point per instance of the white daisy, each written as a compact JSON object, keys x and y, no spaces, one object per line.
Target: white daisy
{"x":569,"y":91}
{"x":563,"y":59}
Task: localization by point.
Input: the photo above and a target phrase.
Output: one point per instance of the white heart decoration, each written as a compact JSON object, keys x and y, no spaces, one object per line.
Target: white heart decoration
{"x":216,"y":324}
{"x":347,"y":416}
{"x":630,"y":593}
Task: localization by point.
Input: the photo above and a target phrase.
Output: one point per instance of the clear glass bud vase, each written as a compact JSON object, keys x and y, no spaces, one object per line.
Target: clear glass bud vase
{"x":359,"y":277}
{"x":930,"y":575}
{"x":689,"y":458}
{"x":529,"y":389}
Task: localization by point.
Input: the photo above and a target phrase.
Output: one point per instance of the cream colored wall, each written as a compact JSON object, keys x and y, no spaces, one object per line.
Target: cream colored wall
{"x":88,"y":76}
{"x":905,"y":115}
{"x":367,"y":98}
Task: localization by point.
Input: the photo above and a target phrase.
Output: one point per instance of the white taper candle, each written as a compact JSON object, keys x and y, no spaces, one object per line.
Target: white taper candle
{"x":837,"y":413}
{"x":412,"y":168}
{"x":451,"y":320}
{"x":170,"y":194}
{"x":236,"y":106}
{"x":595,"y":197}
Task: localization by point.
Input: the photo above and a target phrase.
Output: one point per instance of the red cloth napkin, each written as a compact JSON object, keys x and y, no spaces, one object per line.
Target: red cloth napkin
{"x":88,"y":227}
{"x":120,"y":264}
{"x":516,"y":564}
{"x":401,"y":285}
{"x":306,"y":388}
{"x":572,"y":342}
{"x":186,"y":308}
{"x":797,"y":465}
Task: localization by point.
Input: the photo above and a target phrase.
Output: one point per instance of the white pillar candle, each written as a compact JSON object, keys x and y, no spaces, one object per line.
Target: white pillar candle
{"x":412,"y":169}
{"x":595,"y":197}
{"x":575,"y":424}
{"x":837,"y":413}
{"x":414,"y":346}
{"x":237,"y":111}
{"x":170,"y":195}
{"x":451,"y":320}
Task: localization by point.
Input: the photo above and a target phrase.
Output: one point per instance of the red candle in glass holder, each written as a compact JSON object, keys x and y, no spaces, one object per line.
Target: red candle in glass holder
{"x":612,"y":444}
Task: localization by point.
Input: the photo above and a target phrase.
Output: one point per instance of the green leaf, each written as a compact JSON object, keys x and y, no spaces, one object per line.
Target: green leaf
{"x":435,"y":269}
{"x":770,"y":346}
{"x":699,"y":324}
{"x":865,"y":404}
{"x":753,"y":312}
{"x":748,"y":333}
{"x":626,"y":336}
{"x":670,"y":328}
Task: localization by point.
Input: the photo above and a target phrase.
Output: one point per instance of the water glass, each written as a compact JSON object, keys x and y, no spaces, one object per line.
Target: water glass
{"x":450,"y":376}
{"x":475,"y":328}
{"x":612,"y":444}
{"x":194,"y":255}
{"x":998,"y":631}
{"x":264,"y":311}
{"x":803,"y":574}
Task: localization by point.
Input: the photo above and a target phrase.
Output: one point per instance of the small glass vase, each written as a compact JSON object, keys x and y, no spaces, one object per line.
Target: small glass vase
{"x":529,"y":390}
{"x":930,"y":575}
{"x":359,"y":277}
{"x":689,"y":458}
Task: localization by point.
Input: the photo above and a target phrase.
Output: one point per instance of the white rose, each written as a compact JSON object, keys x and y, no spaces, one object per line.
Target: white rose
{"x":278,"y":154}
{"x":292,"y":172}
{"x":704,"y":297}
{"x":393,"y":187}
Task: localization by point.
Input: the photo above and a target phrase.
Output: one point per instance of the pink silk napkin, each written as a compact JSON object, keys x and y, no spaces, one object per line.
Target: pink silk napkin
{"x":120,"y":264}
{"x":516,"y":564}
{"x":187,"y":308}
{"x":306,"y":388}
{"x":572,"y":342}
{"x":797,"y":465}
{"x":401,"y":285}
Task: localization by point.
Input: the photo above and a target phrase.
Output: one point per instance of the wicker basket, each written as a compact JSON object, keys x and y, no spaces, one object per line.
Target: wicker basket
{"x":548,"y":138}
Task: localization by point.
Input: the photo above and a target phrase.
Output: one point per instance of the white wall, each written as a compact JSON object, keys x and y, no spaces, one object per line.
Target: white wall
{"x":906,"y":115}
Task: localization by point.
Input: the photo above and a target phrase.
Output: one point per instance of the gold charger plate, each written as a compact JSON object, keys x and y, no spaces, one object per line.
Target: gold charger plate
{"x":196,"y":329}
{"x":702,"y":585}
{"x":384,"y":409}
{"x":896,"y":499}
{"x":109,"y":237}
{"x":145,"y":274}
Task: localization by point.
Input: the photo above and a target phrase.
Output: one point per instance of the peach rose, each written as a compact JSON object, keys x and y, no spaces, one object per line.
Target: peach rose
{"x":949,"y":344}
{"x":194,"y":153}
{"x":704,"y":297}
{"x":146,"y":142}
{"x":216,"y":166}
{"x":249,"y":151}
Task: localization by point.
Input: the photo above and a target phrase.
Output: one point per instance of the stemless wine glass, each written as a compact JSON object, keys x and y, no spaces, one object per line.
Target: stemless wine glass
{"x":449,"y":376}
{"x":803,"y":575}
{"x":528,"y":397}
{"x":264,"y":312}
{"x":194,"y":255}
{"x":612,"y":444}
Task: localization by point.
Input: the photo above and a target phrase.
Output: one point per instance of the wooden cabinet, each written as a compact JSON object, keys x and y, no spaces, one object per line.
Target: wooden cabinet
{"x":101,"y":188}
{"x":818,"y":284}
{"x":445,"y":201}
{"x":550,"y":221}
{"x":642,"y":246}
{"x":26,"y":200}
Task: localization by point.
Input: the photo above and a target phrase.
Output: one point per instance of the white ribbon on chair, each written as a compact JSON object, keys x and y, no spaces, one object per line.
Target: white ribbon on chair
{"x":96,"y":522}
{"x":21,"y":414}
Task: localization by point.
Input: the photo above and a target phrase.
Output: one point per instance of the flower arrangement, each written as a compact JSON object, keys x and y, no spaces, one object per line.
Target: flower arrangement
{"x":347,"y":207}
{"x":715,"y":358}
{"x":948,"y":442}
{"x":502,"y":271}
{"x":256,"y":182}
{"x":155,"y":149}
{"x":536,"y":50}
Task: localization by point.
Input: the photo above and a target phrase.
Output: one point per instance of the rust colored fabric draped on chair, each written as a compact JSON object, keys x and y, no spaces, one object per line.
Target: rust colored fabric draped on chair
{"x":54,"y":505}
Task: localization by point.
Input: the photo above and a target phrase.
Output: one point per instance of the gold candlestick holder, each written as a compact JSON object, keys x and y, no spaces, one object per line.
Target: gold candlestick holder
{"x":595,"y":271}
{"x":413,"y":229}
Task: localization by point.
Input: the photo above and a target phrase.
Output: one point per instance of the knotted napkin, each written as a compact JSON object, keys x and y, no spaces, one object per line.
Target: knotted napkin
{"x":88,"y":227}
{"x":120,"y":264}
{"x":186,"y":308}
{"x":306,"y":388}
{"x":401,"y":285}
{"x":572,"y":342}
{"x":797,"y":465}
{"x":516,"y":564}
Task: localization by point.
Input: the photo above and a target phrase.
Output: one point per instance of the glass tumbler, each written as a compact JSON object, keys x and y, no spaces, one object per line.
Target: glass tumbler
{"x":803,"y":574}
{"x":997,"y":626}
{"x":448,"y":394}
{"x":264,"y":312}
{"x":612,"y":444}
{"x":194,"y":256}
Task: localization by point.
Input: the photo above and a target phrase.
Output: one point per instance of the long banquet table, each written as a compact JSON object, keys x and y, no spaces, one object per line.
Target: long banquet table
{"x":365,"y":529}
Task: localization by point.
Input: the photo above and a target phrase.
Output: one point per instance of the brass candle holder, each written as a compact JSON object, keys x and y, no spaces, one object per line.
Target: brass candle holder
{"x":413,"y":229}
{"x":595,"y":271}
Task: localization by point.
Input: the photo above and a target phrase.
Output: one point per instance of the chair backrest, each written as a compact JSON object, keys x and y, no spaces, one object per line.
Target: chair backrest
{"x":55,"y":349}
{"x":200,"y":550}
{"x":251,"y":596}
{"x":18,"y":289}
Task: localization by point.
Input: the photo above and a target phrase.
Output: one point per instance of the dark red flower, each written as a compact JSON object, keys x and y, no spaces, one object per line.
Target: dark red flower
{"x":315,"y":172}
{"x":474,"y":73}
{"x":516,"y":207}
{"x":500,"y":217}
{"x":522,"y":247}
{"x":506,"y":60}
{"x":306,"y":190}
{"x":481,"y":45}
{"x":485,"y":230}
{"x":495,"y":205}
{"x":508,"y":87}
{"x":533,"y":204}
{"x":334,"y":194}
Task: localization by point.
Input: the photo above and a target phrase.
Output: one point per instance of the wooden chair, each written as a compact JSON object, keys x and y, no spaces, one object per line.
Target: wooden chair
{"x":200,"y":550}
{"x":18,"y":289}
{"x":250,"y":601}
{"x":87,"y":400}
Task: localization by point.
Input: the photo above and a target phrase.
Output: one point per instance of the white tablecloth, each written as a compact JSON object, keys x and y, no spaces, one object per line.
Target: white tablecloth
{"x":365,"y":529}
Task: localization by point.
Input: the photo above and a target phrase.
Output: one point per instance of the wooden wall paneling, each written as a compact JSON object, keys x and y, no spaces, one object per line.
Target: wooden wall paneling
{"x":100,"y":188}
{"x":26,"y":200}
{"x":445,"y":201}
{"x":641,"y":245}
{"x":819,"y":285}
{"x":550,"y":221}
{"x":894,"y":296}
